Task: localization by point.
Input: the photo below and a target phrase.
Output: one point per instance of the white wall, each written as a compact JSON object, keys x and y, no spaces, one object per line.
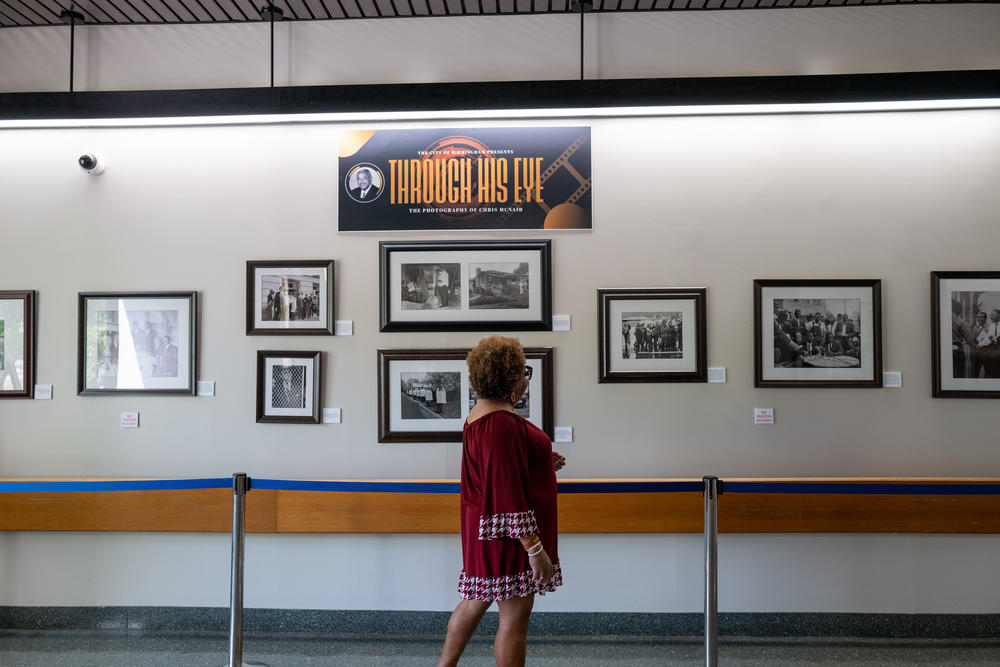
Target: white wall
{"x":678,"y":202}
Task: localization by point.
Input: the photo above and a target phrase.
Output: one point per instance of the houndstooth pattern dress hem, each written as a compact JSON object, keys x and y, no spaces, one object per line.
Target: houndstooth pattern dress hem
{"x":508,"y":491}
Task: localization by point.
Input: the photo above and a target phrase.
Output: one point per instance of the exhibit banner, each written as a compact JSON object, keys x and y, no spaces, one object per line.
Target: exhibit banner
{"x":465,"y":178}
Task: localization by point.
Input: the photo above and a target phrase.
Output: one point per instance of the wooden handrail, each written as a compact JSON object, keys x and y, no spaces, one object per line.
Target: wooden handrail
{"x":279,"y":511}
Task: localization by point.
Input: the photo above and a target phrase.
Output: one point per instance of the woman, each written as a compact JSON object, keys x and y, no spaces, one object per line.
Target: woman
{"x":508,"y":507}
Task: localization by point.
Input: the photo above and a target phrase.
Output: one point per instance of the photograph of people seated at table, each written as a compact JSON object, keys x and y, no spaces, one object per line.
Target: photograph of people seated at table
{"x":817,"y":333}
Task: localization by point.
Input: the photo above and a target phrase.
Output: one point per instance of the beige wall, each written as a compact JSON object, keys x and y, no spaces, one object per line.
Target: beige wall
{"x":683,"y":201}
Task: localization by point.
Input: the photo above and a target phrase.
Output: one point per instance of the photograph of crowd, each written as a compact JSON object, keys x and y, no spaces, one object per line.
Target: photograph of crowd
{"x":290,"y":298}
{"x":288,"y":386}
{"x":817,"y":333}
{"x":498,"y":285}
{"x":430,"y":395}
{"x":652,"y":335}
{"x":975,"y":334}
{"x":430,"y":286}
{"x":149,"y":342}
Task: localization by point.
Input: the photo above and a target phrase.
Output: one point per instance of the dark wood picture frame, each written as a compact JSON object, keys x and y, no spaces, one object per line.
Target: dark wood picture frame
{"x":190,"y":360}
{"x":607,"y":296}
{"x":325,"y":326}
{"x":316,"y":391}
{"x":28,"y":340}
{"x":544,"y":355}
{"x":965,"y":349}
{"x":875,"y":381}
{"x":390,"y":290}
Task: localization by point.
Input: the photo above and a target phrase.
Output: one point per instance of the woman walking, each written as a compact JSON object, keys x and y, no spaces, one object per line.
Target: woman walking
{"x":509,"y":549}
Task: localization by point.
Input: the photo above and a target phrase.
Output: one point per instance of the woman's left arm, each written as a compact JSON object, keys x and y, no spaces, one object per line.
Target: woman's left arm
{"x":558,"y":461}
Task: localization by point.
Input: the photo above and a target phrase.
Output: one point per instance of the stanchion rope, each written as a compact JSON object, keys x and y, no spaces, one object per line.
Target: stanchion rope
{"x":117,"y":485}
{"x":454,"y":487}
{"x":873,"y":488}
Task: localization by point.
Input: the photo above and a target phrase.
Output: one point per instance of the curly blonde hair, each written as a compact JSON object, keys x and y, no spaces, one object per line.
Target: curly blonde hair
{"x":496,"y":365}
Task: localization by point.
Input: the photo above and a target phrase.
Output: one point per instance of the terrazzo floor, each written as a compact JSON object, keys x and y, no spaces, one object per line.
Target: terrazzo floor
{"x":83,"y":649}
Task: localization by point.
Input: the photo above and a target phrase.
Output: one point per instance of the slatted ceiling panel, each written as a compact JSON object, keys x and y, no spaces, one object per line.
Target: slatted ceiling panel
{"x":134,"y":11}
{"x":228,"y":11}
{"x":337,"y":9}
{"x":108,"y":12}
{"x":50,"y":8}
{"x":23,"y":13}
{"x":13,"y":17}
{"x":244,"y":13}
{"x":180,"y":12}
{"x":404,"y":8}
{"x":162,"y":12}
{"x":26,"y":13}
{"x":191,"y":11}
{"x":250,"y":7}
{"x":315,"y":10}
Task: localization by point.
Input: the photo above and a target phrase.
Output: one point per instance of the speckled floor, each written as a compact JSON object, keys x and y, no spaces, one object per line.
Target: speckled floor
{"x":24,"y":648}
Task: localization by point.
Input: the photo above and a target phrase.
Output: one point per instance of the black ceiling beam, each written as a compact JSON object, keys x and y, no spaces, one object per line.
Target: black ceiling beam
{"x":505,"y":95}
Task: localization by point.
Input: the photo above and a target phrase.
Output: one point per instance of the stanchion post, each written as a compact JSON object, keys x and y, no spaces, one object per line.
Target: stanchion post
{"x":712,"y":488}
{"x":236,"y":590}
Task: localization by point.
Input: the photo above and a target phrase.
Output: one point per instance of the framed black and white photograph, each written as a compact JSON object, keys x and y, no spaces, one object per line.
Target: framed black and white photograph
{"x":817,"y":333}
{"x":652,"y":335}
{"x":290,"y":297}
{"x":466,"y":285}
{"x":965,"y":334}
{"x":288,"y":387}
{"x":17,"y":343}
{"x":137,"y":342}
{"x":424,"y":394}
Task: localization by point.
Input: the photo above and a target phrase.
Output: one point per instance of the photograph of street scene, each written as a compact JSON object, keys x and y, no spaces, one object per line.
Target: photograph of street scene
{"x":498,"y":285}
{"x":430,"y":395}
{"x":522,"y":407}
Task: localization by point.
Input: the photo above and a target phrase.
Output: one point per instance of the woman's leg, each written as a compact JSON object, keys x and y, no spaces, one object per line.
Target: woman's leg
{"x":511,"y":643}
{"x":461,"y":625}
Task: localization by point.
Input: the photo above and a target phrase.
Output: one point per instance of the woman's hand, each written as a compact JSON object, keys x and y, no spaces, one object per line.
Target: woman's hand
{"x":558,"y":461}
{"x":541,"y":567}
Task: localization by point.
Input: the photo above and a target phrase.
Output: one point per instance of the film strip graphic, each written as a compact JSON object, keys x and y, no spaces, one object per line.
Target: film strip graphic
{"x":562,"y":162}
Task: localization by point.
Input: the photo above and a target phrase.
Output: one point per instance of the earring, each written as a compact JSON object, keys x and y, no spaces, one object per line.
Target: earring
{"x":513,"y":396}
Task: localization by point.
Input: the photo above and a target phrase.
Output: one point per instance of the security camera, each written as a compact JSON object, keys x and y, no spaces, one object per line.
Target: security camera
{"x":92,"y":163}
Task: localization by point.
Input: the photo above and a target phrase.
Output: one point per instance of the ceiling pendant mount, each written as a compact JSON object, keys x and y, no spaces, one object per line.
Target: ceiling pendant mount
{"x":270,"y":12}
{"x":71,"y":16}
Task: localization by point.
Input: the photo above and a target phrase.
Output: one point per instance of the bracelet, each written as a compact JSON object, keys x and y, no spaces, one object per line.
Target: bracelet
{"x":532,"y":542}
{"x":536,"y":549}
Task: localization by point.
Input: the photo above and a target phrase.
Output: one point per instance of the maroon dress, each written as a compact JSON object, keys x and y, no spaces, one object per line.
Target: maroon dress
{"x":508,"y":491}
